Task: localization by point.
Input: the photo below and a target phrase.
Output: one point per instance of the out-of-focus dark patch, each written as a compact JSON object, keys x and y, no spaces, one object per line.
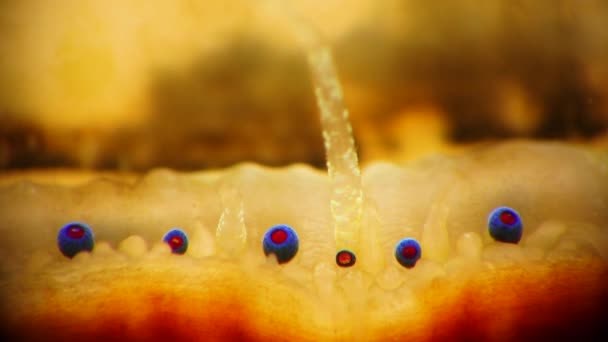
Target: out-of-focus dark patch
{"x":248,"y":101}
{"x":572,"y":110}
{"x":466,"y":67}
{"x":23,"y":144}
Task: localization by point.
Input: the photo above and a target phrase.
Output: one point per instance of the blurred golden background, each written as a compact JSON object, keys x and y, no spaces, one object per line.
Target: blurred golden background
{"x":135,"y":84}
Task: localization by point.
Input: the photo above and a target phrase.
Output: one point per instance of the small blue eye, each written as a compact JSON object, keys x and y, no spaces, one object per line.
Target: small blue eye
{"x":408,"y":252}
{"x":74,"y":238}
{"x":505,"y":225}
{"x":177,"y":240}
{"x":345,"y":258}
{"x":281,"y":240}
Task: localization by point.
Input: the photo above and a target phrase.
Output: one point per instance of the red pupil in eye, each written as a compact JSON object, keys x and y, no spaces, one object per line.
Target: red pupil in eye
{"x":507,"y":217}
{"x":409,"y":252}
{"x":176,"y":242}
{"x":75,"y":232}
{"x":345,"y":258}
{"x":278,"y":236}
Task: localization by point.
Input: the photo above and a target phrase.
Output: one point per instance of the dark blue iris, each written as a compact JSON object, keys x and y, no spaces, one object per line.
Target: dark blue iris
{"x":177,"y":240}
{"x":281,"y":241}
{"x":505,"y":225}
{"x":74,"y":238}
{"x":408,"y":252}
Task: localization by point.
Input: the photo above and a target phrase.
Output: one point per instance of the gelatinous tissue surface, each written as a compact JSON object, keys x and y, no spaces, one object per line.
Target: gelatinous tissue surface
{"x":132,"y":286}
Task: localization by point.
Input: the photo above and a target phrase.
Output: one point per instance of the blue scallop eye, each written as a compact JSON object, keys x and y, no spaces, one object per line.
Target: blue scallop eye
{"x":408,"y":252}
{"x":505,"y":225}
{"x":281,"y":240}
{"x":74,"y":238}
{"x":177,"y":240}
{"x":345,"y":258}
